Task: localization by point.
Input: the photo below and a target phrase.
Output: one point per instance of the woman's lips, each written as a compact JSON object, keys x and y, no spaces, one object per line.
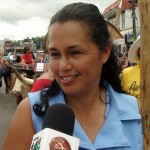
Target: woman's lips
{"x":68,"y":79}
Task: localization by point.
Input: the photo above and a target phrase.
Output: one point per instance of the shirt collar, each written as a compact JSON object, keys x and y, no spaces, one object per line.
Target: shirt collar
{"x":122,"y":102}
{"x":57,"y":99}
{"x":112,"y":134}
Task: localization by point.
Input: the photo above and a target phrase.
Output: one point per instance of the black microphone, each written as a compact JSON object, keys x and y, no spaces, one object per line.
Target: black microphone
{"x":60,"y":117}
{"x":57,"y":130}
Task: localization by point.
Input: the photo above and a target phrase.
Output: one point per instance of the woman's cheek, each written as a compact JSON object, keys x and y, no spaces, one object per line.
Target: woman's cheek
{"x":54,"y":66}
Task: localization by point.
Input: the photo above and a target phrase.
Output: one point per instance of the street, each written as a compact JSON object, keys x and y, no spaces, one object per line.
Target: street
{"x":6,"y":111}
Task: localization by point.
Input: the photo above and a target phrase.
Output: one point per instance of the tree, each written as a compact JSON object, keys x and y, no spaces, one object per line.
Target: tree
{"x":144,"y":7}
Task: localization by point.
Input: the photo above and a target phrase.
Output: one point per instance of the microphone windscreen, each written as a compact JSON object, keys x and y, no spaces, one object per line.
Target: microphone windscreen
{"x":60,"y":117}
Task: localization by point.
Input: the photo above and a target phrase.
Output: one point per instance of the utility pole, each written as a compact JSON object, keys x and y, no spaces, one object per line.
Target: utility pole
{"x":133,"y":2}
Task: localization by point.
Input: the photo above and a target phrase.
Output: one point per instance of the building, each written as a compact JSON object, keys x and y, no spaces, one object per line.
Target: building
{"x":124,"y":14}
{"x":7,"y":46}
{"x":2,"y":45}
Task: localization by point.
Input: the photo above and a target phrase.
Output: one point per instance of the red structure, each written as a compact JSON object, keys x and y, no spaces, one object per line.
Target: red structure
{"x":125,"y":5}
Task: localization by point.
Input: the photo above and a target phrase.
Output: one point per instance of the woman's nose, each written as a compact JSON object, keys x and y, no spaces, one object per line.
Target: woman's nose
{"x":65,"y":64}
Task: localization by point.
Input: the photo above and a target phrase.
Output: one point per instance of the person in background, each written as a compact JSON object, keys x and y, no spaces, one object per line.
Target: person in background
{"x":127,"y":62}
{"x":45,"y":80}
{"x":43,"y":56}
{"x":33,"y":56}
{"x":13,"y":57}
{"x":28,"y":61}
{"x":46,"y":56}
{"x":40,"y":56}
{"x":17,"y":56}
{"x":1,"y":74}
{"x":87,"y":79}
{"x":46,"y":52}
{"x":26,"y":58}
{"x":10,"y":57}
{"x":130,"y":77}
{"x":121,"y":61}
{"x":6,"y":73}
{"x":47,"y":77}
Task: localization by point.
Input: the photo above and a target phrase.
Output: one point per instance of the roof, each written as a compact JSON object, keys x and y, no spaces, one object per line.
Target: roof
{"x":112,"y":6}
{"x":125,"y":5}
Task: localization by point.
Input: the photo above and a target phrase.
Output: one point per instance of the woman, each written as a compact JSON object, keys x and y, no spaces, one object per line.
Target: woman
{"x":87,"y":79}
{"x":27,"y":58}
{"x":28,"y":61}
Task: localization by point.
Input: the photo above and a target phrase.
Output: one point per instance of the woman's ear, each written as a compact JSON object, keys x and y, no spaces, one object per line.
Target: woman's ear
{"x":106,"y":53}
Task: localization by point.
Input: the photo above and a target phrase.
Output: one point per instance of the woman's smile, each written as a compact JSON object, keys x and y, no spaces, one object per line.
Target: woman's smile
{"x":68,"y":79}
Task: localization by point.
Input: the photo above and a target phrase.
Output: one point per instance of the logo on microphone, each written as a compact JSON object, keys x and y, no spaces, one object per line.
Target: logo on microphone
{"x":59,"y":143}
{"x":36,"y":143}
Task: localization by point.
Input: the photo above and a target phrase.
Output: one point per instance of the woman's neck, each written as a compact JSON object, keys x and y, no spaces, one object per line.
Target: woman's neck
{"x":89,"y":111}
{"x":88,"y":101}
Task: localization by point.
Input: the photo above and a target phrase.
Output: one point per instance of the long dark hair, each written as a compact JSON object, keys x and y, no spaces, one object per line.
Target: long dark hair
{"x":88,"y":15}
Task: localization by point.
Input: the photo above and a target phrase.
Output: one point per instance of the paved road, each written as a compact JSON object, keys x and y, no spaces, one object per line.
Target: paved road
{"x":6,"y":112}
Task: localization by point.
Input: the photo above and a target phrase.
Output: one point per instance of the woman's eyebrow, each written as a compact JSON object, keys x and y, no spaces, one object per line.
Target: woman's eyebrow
{"x":69,"y":47}
{"x":73,"y":46}
{"x":52,"y":49}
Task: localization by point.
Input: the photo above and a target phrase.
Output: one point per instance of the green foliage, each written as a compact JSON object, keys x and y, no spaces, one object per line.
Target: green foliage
{"x":16,"y":43}
{"x":38,"y":41}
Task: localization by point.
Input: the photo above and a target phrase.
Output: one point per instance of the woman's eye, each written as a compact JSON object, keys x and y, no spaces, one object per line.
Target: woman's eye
{"x":54,"y":55}
{"x":75,"y":52}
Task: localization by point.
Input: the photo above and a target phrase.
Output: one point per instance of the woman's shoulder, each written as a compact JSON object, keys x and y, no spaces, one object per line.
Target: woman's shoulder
{"x":127,"y":106}
{"x":20,"y":124}
{"x":23,"y":112}
{"x":125,"y":98}
{"x":34,"y":97}
{"x":24,"y":106}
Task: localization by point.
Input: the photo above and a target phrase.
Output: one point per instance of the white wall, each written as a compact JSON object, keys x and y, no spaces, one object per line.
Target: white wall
{"x":129,"y":19}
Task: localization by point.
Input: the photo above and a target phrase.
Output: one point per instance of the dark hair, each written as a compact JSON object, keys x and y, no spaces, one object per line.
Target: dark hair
{"x":26,"y":48}
{"x":88,"y":15}
{"x":120,"y":54}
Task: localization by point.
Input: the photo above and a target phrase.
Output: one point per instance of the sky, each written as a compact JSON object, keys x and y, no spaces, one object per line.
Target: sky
{"x":20,"y":19}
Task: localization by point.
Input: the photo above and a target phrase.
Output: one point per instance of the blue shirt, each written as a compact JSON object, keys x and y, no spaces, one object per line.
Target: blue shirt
{"x":120,"y":131}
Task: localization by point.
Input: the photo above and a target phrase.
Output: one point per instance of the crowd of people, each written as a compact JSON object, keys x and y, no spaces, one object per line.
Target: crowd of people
{"x":87,"y":77}
{"x":26,"y":60}
{"x":130,"y":76}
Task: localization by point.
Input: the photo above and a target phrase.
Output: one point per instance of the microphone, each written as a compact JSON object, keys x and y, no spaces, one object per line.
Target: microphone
{"x":60,"y":117}
{"x":57,"y":130}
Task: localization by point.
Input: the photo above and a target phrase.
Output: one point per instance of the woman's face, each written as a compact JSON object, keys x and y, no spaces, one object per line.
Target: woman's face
{"x":74,"y":59}
{"x":29,"y":51}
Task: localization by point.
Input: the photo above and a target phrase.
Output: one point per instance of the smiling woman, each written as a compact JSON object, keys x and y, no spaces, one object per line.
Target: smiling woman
{"x":87,"y":80}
